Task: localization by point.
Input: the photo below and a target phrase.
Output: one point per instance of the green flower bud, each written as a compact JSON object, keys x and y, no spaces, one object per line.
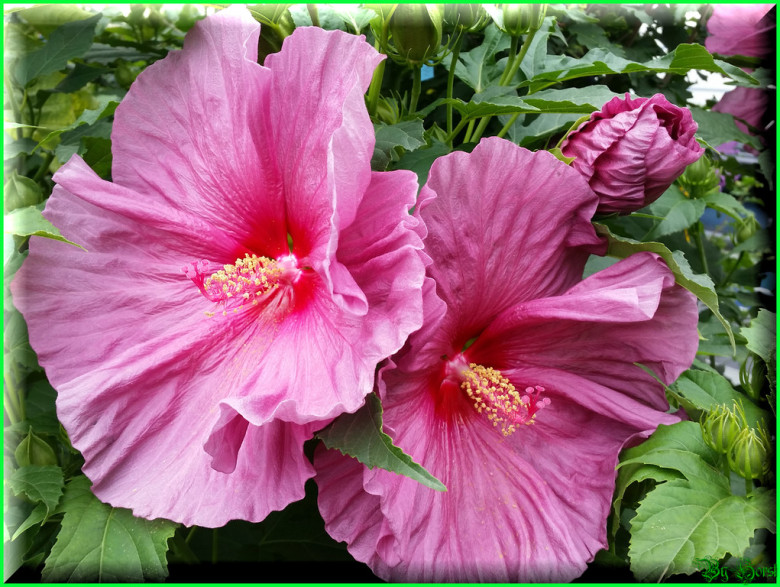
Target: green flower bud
{"x":746,"y":228}
{"x":699,"y":178}
{"x":520,"y":19}
{"x":468,"y":17}
{"x":124,"y":74}
{"x":33,"y":450}
{"x":416,"y":31}
{"x":749,"y":455}
{"x":721,"y":428}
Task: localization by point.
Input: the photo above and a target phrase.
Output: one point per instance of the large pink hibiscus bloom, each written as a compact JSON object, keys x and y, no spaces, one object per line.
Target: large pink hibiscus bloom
{"x":520,"y":389}
{"x":193,"y":347}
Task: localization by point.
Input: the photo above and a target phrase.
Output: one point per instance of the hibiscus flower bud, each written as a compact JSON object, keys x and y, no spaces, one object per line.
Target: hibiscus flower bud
{"x":746,"y":228}
{"x":720,"y":428}
{"x":699,"y":178}
{"x":749,"y":455}
{"x":520,"y":19}
{"x":632,"y":150}
{"x":33,"y":450}
{"x":416,"y":31}
{"x":469,"y":17}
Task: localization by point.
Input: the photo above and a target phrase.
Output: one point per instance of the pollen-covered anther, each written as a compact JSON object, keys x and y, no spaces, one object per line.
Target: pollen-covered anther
{"x":238,"y":285}
{"x":495,"y":397}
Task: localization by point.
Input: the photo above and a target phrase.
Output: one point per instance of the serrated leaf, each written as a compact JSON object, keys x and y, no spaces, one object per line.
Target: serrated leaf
{"x":407,"y":134}
{"x":29,"y":221}
{"x":727,"y":204}
{"x":79,"y":77}
{"x":101,"y":543}
{"x":40,"y":408}
{"x":704,"y":390}
{"x":39,"y":483}
{"x":698,"y":284}
{"x":360,"y":435}
{"x":680,"y":521}
{"x":68,"y":41}
{"x":477,"y":68}
{"x":677,"y":211}
{"x":684,"y":58}
{"x":761,"y":335}
{"x":37,"y":516}
{"x":679,"y":447}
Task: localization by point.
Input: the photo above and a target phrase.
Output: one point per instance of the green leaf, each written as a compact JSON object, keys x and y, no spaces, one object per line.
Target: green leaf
{"x":727,"y":204}
{"x":680,"y":521}
{"x":477,"y":68}
{"x":68,"y":41}
{"x":684,"y":58}
{"x":360,"y":435}
{"x":29,"y":221}
{"x":716,"y":128}
{"x":677,"y":211}
{"x":407,"y":134}
{"x":37,"y":516}
{"x":420,"y":160}
{"x":704,"y":390}
{"x":39,"y":483}
{"x":761,"y":335}
{"x":101,"y":543}
{"x":79,"y":77}
{"x":679,"y":447}
{"x":48,"y":18}
{"x":698,"y":284}
{"x":40,"y":408}
{"x":574,"y":100}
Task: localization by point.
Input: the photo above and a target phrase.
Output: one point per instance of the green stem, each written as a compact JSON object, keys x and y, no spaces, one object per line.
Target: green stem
{"x":748,"y":487}
{"x":733,"y":269}
{"x":190,"y":534}
{"x":376,"y":85}
{"x":451,"y":82}
{"x":508,"y":125}
{"x":456,"y":130}
{"x":509,"y":73}
{"x":416,"y":87}
{"x":467,"y":136}
{"x":44,"y":167}
{"x":315,"y":19}
{"x":700,"y":246}
{"x":481,"y":128}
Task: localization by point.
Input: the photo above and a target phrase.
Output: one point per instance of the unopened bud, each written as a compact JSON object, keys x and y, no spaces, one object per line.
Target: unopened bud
{"x":699,"y":178}
{"x":467,"y":17}
{"x":720,"y":428}
{"x":520,"y":19}
{"x":746,"y":228}
{"x":415,"y":30}
{"x":33,"y":450}
{"x":749,"y":455}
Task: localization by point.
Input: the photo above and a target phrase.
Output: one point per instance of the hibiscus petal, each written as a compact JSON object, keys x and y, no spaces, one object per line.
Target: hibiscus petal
{"x":193,"y":134}
{"x":631,"y":312}
{"x":139,"y":370}
{"x":325,"y":167}
{"x":531,"y":507}
{"x":486,"y":227}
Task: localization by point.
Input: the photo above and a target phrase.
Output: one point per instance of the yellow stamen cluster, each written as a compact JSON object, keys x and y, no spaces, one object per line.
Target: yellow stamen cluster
{"x":244,"y":282}
{"x":494,"y":396}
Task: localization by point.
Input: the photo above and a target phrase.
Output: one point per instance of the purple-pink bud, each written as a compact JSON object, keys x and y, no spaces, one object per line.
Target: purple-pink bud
{"x":632,"y":150}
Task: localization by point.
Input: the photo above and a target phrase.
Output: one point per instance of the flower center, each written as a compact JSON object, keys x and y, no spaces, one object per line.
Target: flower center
{"x":243,"y":283}
{"x":494,"y":396}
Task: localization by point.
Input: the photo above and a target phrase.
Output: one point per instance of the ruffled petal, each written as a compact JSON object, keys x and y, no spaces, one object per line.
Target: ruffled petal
{"x":631,"y":312}
{"x":139,"y":369}
{"x":381,"y":249}
{"x":528,"y":508}
{"x":193,"y":134}
{"x":494,"y":234}
{"x":323,"y":141}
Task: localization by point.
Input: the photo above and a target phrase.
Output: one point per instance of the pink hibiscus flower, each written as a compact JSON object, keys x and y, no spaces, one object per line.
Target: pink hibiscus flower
{"x":741,"y":29}
{"x":243,"y":275}
{"x":520,"y":389}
